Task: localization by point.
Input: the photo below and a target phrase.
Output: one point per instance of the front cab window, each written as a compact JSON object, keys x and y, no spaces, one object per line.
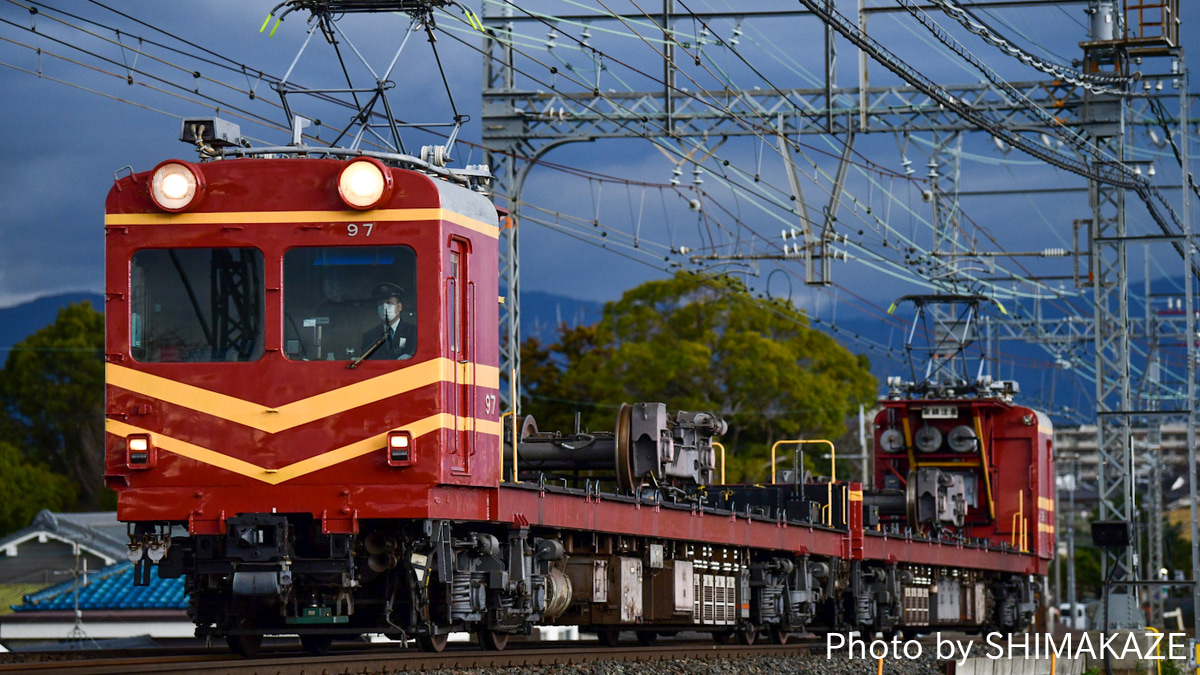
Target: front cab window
{"x":340,"y":302}
{"x":196,"y":305}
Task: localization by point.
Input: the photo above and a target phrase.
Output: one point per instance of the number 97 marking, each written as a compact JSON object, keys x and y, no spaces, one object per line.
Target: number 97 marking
{"x":352,"y":229}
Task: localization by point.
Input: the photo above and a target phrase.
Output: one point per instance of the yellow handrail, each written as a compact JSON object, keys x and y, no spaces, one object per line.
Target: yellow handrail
{"x":832,"y":457}
{"x":722,"y":449}
{"x":1024,"y":526}
{"x":1157,"y":648}
{"x":1020,"y":530}
{"x":513,"y":385}
{"x":513,"y":413}
{"x":987,"y":472}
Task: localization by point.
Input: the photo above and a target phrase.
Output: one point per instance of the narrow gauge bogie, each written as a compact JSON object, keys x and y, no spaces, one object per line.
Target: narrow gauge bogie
{"x":299,"y":489}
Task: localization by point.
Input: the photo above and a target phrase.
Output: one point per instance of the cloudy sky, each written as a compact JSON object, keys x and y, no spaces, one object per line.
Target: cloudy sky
{"x":88,"y":104}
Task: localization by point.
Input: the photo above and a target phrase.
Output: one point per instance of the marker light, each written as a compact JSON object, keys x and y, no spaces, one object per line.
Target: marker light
{"x":174,"y":186}
{"x":364,"y":183}
{"x":399,"y":448}
{"x":139,"y":452}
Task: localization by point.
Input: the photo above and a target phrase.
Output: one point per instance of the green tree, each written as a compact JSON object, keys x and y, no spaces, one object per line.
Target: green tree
{"x":701,"y":343}
{"x":52,"y":389}
{"x":26,"y":488}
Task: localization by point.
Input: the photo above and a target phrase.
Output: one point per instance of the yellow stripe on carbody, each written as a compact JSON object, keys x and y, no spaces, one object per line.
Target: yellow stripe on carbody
{"x":1046,"y":503}
{"x":275,"y":217}
{"x":325,"y":404}
{"x":304,"y":467}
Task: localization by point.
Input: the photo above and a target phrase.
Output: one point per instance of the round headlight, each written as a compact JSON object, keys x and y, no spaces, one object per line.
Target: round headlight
{"x":364,"y":183}
{"x":175,"y":185}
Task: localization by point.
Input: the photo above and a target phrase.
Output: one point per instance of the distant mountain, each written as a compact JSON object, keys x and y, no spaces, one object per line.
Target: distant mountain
{"x":20,"y":321}
{"x":541,"y":314}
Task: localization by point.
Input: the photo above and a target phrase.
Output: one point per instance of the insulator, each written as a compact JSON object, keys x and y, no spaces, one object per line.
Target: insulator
{"x":1054,"y":253}
{"x":434,"y":154}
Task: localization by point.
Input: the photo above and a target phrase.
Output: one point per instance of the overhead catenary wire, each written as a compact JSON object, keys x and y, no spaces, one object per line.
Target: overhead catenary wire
{"x":618,"y":104}
{"x":731,"y":78}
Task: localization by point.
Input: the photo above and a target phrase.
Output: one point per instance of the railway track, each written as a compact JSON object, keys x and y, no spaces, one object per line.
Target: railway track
{"x":360,"y":661}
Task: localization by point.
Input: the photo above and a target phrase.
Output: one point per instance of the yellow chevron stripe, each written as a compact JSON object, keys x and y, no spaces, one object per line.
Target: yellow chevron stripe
{"x":325,"y":404}
{"x":304,"y":467}
{"x":269,"y":217}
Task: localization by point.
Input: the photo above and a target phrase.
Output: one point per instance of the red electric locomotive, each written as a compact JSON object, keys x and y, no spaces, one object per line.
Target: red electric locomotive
{"x":991,"y":458}
{"x":302,"y":417}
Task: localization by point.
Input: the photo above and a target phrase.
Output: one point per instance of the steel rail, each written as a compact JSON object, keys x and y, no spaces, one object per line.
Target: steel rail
{"x":361,"y":663}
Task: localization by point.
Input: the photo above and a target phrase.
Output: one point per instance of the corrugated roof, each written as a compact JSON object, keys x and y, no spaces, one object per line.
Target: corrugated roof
{"x":14,"y":594}
{"x":110,"y":588}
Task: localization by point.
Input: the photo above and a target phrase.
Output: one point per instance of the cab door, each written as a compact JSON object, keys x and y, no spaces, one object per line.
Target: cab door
{"x":458,"y":326}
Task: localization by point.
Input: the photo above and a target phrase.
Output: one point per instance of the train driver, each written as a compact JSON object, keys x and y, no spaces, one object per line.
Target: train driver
{"x":392,"y":338}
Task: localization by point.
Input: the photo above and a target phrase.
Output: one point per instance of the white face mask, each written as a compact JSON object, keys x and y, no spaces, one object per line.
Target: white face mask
{"x":388,"y":312}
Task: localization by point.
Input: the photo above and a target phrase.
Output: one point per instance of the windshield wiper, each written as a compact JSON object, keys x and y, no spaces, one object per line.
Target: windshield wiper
{"x":370,"y":350}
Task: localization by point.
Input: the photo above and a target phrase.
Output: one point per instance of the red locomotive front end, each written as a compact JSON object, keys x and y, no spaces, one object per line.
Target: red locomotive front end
{"x":992,"y":459}
{"x":295,"y":346}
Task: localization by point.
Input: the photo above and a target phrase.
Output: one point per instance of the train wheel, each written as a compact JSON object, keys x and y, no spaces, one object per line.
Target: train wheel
{"x":608,"y":637}
{"x":647,"y":638}
{"x":318,"y":645}
{"x":432,"y":643}
{"x":245,"y":645}
{"x":725,"y":637}
{"x":747,"y":636}
{"x":492,"y":640}
{"x":779,"y":635}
